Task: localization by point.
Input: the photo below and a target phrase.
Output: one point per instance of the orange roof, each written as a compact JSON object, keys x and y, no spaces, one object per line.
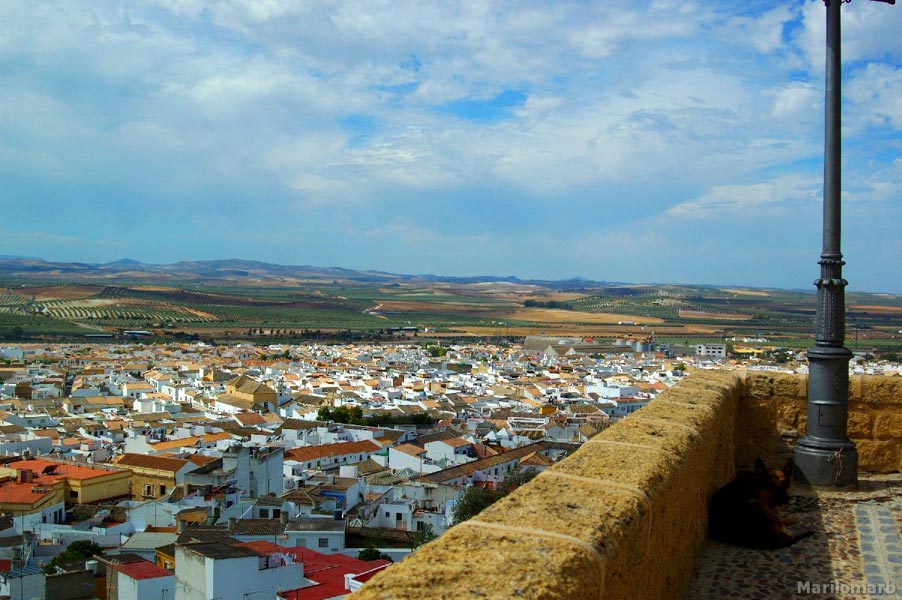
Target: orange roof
{"x":60,"y":470}
{"x":191,"y":441}
{"x":13,"y":492}
{"x":308,"y":453}
{"x":145,"y":461}
{"x":456,"y":442}
{"x":410,"y":449}
{"x":200,"y":459}
{"x":248,"y":418}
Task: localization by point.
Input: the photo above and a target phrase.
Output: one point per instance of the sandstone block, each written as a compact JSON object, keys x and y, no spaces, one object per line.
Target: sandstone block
{"x":860,"y":423}
{"x":887,"y":425}
{"x":879,"y":456}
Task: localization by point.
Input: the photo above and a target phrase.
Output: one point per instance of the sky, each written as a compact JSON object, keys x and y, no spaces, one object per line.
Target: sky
{"x":653,"y":141}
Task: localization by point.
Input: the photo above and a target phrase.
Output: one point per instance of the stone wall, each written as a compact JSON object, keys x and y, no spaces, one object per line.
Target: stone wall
{"x":623,"y":517}
{"x":773,"y":412}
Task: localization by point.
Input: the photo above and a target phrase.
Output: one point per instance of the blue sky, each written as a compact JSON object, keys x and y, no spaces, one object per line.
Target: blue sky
{"x":645,"y":141}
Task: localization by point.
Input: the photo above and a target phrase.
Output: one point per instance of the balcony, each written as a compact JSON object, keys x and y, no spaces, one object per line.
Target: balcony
{"x":625,"y":516}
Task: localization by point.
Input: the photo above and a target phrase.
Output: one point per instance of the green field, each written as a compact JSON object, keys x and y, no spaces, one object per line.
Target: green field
{"x":45,"y":309}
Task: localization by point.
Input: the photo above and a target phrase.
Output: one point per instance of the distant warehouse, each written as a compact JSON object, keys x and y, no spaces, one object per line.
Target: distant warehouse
{"x":560,"y":346}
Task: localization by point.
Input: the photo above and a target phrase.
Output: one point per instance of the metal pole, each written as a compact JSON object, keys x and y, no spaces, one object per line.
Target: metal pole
{"x":826,"y":455}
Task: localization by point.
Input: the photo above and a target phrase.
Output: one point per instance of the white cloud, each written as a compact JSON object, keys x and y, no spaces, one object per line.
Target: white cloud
{"x":875,"y":95}
{"x":797,"y":100}
{"x":314,"y":105}
{"x":870,"y":31}
{"x":762,"y":32}
{"x":752,"y":199}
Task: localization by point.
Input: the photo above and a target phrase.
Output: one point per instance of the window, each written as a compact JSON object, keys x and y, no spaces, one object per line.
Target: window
{"x":323,"y":542}
{"x":162,"y":490}
{"x":148,"y":489}
{"x":387,"y":514}
{"x":264,"y":513}
{"x":398,"y":517}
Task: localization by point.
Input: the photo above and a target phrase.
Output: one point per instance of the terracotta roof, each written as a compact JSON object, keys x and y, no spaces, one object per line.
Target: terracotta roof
{"x":145,"y":461}
{"x":191,"y":441}
{"x":61,"y":470}
{"x":410,"y":450}
{"x":249,"y":418}
{"x":456,"y":442}
{"x":201,"y":459}
{"x":308,"y":453}
{"x":13,"y":492}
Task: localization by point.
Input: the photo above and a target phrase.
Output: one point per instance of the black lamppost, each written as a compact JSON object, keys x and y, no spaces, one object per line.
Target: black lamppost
{"x":826,"y":455}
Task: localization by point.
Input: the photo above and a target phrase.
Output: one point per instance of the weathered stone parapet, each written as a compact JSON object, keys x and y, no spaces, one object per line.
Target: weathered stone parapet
{"x":773,"y":412}
{"x":623,"y":517}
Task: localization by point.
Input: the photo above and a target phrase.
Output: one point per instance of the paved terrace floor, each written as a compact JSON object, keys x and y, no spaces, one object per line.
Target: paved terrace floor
{"x":858,"y":543}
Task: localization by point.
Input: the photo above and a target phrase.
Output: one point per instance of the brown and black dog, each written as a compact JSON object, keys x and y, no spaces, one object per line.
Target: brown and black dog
{"x":745,"y":511}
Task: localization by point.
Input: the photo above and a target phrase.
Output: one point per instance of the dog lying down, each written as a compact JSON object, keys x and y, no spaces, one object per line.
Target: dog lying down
{"x":745,"y":512}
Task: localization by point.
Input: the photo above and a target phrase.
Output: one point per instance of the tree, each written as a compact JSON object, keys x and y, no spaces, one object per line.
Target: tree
{"x":371,"y":552}
{"x":514,"y":480}
{"x":422,"y":536}
{"x":474,"y":499}
{"x":352,"y":415}
{"x":77,"y":550}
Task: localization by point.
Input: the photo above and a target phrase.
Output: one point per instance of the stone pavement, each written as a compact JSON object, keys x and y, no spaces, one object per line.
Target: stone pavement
{"x":856,"y":551}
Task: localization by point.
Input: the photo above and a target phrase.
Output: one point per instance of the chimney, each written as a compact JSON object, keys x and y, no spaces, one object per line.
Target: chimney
{"x":232,"y":522}
{"x":283,"y":517}
{"x":179,"y":525}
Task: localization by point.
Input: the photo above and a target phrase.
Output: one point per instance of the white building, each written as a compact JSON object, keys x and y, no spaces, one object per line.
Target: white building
{"x":140,"y":580}
{"x":218,"y":570}
{"x":711,"y":350}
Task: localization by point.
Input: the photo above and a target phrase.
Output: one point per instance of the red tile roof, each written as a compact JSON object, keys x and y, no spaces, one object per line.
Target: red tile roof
{"x":142,"y":570}
{"x":366,"y":576}
{"x":327,"y":570}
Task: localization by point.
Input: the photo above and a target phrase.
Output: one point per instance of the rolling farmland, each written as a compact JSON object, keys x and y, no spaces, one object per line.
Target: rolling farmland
{"x":289,"y":309}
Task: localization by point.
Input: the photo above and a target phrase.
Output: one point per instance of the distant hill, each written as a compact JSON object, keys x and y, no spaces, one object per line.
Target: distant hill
{"x":236,"y":269}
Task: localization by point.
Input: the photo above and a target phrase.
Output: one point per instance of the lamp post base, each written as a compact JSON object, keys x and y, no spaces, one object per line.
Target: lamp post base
{"x":826,"y":462}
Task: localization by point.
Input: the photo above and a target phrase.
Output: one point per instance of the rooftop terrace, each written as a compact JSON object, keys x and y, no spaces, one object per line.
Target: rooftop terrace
{"x":625,"y":516}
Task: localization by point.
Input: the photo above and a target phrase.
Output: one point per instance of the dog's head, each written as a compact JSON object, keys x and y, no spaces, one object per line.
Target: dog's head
{"x":772,"y":487}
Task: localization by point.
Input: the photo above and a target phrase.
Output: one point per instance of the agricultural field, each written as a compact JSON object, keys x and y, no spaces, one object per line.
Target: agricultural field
{"x":292,"y":309}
